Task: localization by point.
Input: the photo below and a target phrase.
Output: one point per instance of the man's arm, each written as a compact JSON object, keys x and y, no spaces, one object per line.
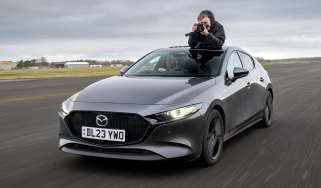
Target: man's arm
{"x":215,"y":40}
{"x":193,"y":39}
{"x":218,"y":38}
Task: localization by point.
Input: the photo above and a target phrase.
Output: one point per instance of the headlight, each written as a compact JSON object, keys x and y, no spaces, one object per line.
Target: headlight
{"x":66,"y":105}
{"x":63,"y":111}
{"x":173,"y":115}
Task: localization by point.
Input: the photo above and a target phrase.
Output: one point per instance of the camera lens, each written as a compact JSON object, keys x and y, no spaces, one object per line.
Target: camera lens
{"x":200,"y":28}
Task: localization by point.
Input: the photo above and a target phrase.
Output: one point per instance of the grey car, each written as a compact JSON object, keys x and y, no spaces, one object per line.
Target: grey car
{"x":173,"y":103}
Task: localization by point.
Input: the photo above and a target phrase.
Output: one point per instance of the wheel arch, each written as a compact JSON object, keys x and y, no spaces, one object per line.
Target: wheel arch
{"x":218,"y":105}
{"x":270,"y":89}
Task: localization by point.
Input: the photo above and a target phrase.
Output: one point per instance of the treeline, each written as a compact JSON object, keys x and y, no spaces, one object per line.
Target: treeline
{"x":30,"y":63}
{"x":104,"y":63}
{"x":42,"y":63}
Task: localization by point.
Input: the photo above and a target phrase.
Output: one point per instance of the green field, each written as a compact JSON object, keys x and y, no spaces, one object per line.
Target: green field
{"x":57,"y":73}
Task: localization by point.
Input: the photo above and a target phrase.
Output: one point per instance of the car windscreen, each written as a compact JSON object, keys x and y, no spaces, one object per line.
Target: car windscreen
{"x":180,"y":63}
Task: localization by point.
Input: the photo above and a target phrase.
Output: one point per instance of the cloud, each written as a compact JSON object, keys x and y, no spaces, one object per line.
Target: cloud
{"x":128,"y":29}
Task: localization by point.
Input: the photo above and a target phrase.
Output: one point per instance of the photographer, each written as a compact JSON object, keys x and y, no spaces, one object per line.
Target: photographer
{"x":208,"y":33}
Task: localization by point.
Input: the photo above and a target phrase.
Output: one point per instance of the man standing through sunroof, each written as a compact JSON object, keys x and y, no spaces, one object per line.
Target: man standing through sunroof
{"x":207,"y":33}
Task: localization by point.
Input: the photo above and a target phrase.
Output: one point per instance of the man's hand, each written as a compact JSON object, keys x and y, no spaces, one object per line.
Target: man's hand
{"x":205,"y":32}
{"x":194,"y":27}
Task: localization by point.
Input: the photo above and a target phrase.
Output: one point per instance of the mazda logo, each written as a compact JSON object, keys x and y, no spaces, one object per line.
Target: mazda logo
{"x":101,"y":120}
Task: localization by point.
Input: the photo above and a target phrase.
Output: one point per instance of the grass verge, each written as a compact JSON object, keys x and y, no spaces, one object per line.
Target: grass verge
{"x":58,"y":73}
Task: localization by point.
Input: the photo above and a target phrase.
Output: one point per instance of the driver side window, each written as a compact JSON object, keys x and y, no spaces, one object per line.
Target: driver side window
{"x":233,"y":62}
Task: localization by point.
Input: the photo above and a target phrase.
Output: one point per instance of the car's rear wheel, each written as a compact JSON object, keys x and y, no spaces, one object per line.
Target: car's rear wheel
{"x":268,"y":111}
{"x":213,"y":139}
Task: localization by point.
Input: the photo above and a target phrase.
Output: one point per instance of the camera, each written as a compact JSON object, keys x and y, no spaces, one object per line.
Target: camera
{"x":200,"y":28}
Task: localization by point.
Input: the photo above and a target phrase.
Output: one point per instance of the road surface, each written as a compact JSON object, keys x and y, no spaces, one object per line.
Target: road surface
{"x":285,"y":155}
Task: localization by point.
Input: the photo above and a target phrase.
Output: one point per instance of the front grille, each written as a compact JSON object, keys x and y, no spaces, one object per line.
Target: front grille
{"x":135,"y":126}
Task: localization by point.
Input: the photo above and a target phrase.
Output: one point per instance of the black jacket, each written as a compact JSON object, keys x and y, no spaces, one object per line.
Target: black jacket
{"x":214,"y":40}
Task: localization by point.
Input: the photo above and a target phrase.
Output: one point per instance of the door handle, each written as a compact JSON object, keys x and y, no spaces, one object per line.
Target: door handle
{"x":261,"y":79}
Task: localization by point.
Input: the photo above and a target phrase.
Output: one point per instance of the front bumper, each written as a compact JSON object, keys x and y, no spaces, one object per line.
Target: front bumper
{"x":179,"y":139}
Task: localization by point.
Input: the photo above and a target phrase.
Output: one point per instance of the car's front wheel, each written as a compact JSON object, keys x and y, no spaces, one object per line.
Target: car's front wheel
{"x":267,"y":115}
{"x":213,"y":139}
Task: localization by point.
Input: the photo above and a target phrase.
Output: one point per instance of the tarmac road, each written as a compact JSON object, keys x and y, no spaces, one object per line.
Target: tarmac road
{"x":285,"y":155}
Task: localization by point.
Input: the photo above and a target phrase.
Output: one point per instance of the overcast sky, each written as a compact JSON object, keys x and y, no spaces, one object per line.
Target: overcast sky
{"x":108,"y":29}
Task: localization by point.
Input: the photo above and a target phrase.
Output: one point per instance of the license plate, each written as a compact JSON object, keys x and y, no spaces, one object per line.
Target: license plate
{"x":103,"y":134}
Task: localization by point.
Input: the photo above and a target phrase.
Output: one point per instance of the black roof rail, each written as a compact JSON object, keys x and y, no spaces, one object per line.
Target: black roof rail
{"x":221,"y":49}
{"x":178,"y":46}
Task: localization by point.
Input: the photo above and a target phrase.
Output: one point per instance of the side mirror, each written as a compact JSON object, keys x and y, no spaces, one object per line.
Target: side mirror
{"x":239,"y":73}
{"x":123,"y":70}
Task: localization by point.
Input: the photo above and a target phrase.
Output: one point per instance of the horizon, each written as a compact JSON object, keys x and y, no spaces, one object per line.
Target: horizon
{"x":74,"y":60}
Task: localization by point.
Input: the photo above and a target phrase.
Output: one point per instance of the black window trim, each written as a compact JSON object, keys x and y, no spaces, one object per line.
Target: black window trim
{"x":228,"y":61}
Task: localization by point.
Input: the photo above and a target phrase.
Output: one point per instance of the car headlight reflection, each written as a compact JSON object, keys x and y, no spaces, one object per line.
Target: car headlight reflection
{"x":63,"y":111}
{"x":66,"y":106}
{"x":173,"y":115}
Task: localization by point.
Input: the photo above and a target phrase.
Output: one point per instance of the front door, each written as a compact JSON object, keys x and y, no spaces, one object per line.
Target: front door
{"x":236,"y":95}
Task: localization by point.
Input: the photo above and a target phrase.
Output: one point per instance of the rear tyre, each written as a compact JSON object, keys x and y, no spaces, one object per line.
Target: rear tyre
{"x":213,"y":140}
{"x":268,"y":111}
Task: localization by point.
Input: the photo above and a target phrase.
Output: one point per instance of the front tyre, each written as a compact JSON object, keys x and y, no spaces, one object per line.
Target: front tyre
{"x":213,"y":139}
{"x":267,"y":115}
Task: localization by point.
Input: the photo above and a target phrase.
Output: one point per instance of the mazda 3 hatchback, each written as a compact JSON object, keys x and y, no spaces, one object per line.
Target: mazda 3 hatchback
{"x":173,"y":103}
